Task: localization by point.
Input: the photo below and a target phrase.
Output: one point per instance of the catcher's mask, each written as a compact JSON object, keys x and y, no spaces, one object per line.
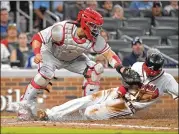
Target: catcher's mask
{"x":153,"y":63}
{"x":91,"y":22}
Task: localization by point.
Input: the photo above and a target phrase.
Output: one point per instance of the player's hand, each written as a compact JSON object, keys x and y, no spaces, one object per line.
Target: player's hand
{"x":38,"y":58}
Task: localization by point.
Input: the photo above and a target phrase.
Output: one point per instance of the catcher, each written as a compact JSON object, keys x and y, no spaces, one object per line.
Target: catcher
{"x":123,"y":100}
{"x":65,"y":45}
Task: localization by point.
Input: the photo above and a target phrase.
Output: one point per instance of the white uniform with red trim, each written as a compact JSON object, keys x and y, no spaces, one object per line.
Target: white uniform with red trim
{"x":164,"y":82}
{"x":61,"y":48}
{"x":70,"y":46}
{"x":107,"y":103}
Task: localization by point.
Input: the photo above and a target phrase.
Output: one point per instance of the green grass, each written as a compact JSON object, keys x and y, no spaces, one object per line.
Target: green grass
{"x":42,"y":130}
{"x":8,"y":117}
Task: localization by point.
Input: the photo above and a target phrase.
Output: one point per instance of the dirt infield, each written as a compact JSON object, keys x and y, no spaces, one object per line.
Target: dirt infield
{"x":148,"y":121}
{"x":137,"y":124}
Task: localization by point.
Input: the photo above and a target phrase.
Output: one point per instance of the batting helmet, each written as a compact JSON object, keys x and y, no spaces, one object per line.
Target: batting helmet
{"x":153,"y":63}
{"x":91,"y":22}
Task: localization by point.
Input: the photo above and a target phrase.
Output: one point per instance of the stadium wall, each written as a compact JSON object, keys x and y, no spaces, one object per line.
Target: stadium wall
{"x":68,"y":86}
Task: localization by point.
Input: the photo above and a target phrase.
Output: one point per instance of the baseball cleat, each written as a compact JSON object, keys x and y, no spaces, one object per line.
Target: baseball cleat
{"x":22,"y":109}
{"x":25,"y":114}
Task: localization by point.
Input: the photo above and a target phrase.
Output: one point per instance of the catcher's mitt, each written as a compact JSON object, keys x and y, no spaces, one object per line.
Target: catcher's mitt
{"x":130,"y":77}
{"x":147,"y":93}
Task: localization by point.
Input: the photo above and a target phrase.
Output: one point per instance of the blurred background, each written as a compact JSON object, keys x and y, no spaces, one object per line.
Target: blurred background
{"x":130,"y":28}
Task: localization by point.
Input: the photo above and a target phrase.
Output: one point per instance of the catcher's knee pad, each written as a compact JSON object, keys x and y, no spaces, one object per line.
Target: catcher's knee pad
{"x":92,"y":78}
{"x":43,"y":77}
{"x":40,"y":81}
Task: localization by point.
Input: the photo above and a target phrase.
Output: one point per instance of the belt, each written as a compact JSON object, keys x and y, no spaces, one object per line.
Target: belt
{"x":129,"y":104}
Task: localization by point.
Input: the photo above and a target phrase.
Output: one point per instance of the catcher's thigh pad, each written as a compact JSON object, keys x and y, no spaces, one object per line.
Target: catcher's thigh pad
{"x":92,"y":78}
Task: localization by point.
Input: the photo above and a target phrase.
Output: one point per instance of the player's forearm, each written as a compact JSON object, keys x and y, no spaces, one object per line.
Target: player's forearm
{"x":113,"y":60}
{"x":36,"y":43}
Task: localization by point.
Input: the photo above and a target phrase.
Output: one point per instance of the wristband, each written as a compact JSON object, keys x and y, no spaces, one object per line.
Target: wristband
{"x":122,"y":90}
{"x":118,"y":68}
{"x":115,"y":61}
{"x":37,"y":50}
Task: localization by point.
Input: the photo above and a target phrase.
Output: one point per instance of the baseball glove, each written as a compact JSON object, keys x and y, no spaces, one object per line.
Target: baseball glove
{"x":130,"y":77}
{"x":147,"y":93}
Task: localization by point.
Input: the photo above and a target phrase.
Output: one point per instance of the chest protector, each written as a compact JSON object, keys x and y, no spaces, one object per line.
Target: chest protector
{"x":70,"y":47}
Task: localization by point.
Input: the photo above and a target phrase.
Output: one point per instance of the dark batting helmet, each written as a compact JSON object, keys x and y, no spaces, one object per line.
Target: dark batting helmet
{"x":154,"y":62}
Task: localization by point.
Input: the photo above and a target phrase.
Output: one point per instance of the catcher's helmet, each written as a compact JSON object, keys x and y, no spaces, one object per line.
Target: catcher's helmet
{"x":153,"y":63}
{"x":91,"y":22}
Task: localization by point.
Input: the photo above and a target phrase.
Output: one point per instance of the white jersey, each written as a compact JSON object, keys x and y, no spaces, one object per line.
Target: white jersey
{"x":164,"y":82}
{"x":106,"y":104}
{"x":69,"y":46}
